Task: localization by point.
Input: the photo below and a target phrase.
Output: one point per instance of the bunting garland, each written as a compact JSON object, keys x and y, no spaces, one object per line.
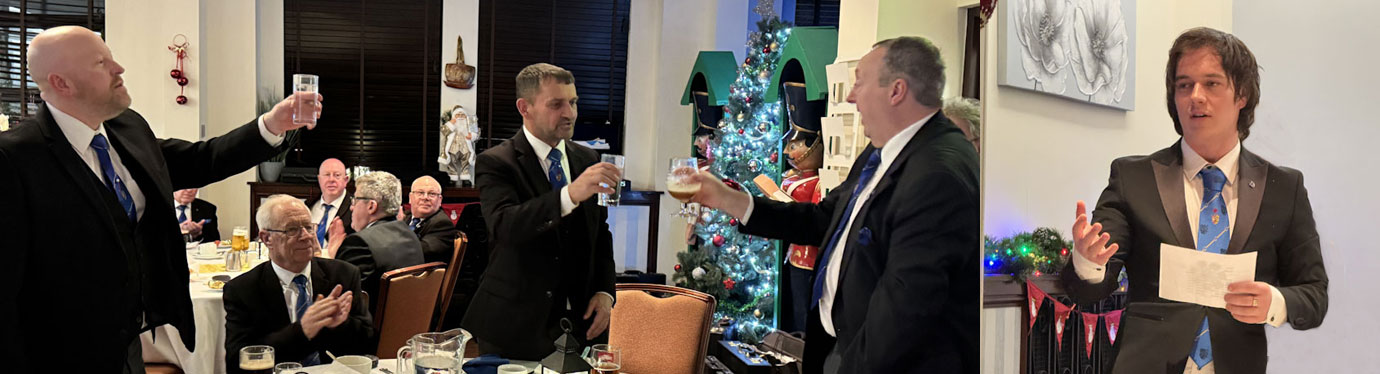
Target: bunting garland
{"x":1111,"y":320}
{"x":1037,"y":298}
{"x":1061,"y":315}
{"x":1089,"y":332}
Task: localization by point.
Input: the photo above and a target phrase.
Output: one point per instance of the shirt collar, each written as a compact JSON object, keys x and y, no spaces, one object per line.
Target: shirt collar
{"x":77,"y":133}
{"x":892,"y":149}
{"x":540,"y":147}
{"x":286,"y":276}
{"x":1193,"y":163}
{"x":335,"y":204}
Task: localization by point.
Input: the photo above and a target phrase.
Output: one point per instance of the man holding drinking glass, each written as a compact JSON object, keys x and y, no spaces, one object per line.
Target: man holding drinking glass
{"x":116,"y":265}
{"x":552,"y":254}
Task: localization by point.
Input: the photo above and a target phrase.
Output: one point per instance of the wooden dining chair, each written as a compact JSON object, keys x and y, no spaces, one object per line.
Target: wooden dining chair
{"x":661,"y":329}
{"x":407,"y":299}
{"x":457,"y":257}
{"x":161,"y":368}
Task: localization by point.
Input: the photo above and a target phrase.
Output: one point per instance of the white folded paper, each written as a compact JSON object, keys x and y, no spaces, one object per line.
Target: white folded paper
{"x":1198,"y":277}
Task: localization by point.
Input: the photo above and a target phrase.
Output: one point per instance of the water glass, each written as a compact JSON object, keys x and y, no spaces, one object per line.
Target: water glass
{"x":305,"y":88}
{"x":607,"y":199}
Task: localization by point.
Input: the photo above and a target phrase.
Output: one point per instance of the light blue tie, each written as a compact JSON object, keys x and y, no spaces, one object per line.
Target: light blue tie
{"x":182,"y":213}
{"x":112,"y":181}
{"x":304,"y":300}
{"x":555,"y":174}
{"x":864,"y":177}
{"x":1214,"y":233}
{"x":321,"y":227}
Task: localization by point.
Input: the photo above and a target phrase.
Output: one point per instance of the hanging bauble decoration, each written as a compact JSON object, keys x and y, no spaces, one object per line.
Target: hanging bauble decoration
{"x":179,"y":51}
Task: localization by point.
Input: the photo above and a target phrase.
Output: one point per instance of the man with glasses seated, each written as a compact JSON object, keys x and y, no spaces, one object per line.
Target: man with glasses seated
{"x":432,"y":226}
{"x":299,"y":304}
{"x":380,"y":243}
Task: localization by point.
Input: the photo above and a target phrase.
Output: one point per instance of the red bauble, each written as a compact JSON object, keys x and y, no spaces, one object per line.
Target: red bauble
{"x":733,"y":221}
{"x":176,"y":73}
{"x":732,"y":184}
{"x":182,"y":81}
{"x":181,"y":99}
{"x":718,"y":240}
{"x":766,"y":49}
{"x":773,"y":157}
{"x":740,"y":131}
{"x":729,"y":283}
{"x":677,"y":267}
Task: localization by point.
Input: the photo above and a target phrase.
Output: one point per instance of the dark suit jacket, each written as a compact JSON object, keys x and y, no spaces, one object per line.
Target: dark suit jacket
{"x":908,"y":293}
{"x":202,"y":209}
{"x":256,"y":313}
{"x":1143,"y":206}
{"x":539,"y":260}
{"x":387,"y":245}
{"x":437,"y":234}
{"x":342,"y":211}
{"x":117,"y":272}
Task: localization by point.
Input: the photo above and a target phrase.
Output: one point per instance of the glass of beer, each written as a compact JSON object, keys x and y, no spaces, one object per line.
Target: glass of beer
{"x":611,"y":199}
{"x":304,"y":88}
{"x":239,"y":239}
{"x":680,"y":181}
{"x":257,"y":359}
{"x":607,"y":359}
{"x":287,"y":368}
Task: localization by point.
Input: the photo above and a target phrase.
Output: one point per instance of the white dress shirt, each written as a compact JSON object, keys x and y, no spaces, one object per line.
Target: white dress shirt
{"x":1193,"y":200}
{"x":890,"y":151}
{"x":542,"y":149}
{"x":290,"y":295}
{"x":319,"y":209}
{"x":80,"y":135}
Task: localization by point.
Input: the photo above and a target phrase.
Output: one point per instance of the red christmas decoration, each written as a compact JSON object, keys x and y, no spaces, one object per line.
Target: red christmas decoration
{"x":985,"y":9}
{"x":1113,"y":322}
{"x":773,"y":157}
{"x":1089,"y":332}
{"x":729,"y":283}
{"x":1061,"y":315}
{"x":766,"y":49}
{"x":677,"y":267}
{"x":1036,"y":297}
{"x":740,"y":131}
{"x":718,"y":240}
{"x":733,"y":221}
{"x":1064,"y":252}
{"x":180,"y":53}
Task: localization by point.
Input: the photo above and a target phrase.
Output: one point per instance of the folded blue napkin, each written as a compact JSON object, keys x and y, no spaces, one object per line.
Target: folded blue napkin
{"x":485,"y":364}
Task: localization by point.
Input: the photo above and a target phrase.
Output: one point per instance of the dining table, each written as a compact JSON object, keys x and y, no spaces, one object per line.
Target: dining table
{"x":163,"y":344}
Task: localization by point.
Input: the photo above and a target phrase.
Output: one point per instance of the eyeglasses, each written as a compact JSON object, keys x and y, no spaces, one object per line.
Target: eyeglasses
{"x":332,"y":175}
{"x":426,"y":193}
{"x":357,"y":199}
{"x":307,"y":229}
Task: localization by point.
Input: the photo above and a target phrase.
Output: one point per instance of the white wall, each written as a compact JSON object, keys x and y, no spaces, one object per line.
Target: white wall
{"x":460,"y":18}
{"x":141,"y":47}
{"x":1316,"y":115}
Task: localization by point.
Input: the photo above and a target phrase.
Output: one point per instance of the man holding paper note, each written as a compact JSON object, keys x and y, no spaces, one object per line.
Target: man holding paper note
{"x":1183,"y":223}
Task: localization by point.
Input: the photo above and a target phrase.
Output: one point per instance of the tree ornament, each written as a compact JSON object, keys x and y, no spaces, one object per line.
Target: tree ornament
{"x":733,"y":221}
{"x":179,"y":51}
{"x":757,"y":313}
{"x":182,"y":81}
{"x":176,"y":73}
{"x":753,"y":165}
{"x":774,"y":156}
{"x":181,"y":99}
{"x":718,"y":240}
{"x":697,"y":273}
{"x":677,"y":267}
{"x":729,"y":283}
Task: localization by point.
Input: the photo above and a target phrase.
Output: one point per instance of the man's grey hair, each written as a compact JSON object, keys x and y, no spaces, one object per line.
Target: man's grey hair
{"x":967,"y":109}
{"x":530,"y":78}
{"x":917,"y":61}
{"x":382,"y":187}
{"x":267,"y":216}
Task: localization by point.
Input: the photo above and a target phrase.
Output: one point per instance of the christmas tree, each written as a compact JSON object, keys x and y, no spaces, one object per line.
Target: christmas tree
{"x":741,"y":270}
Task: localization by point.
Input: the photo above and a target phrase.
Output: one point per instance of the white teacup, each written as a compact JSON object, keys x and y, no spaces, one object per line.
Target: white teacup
{"x":512,"y":369}
{"x":206,"y":249}
{"x":358,"y":364}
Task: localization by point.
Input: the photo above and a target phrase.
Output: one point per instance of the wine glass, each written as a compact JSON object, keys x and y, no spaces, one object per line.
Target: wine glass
{"x":681,"y":183}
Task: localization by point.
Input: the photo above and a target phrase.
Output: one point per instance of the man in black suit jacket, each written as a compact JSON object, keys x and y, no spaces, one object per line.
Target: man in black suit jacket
{"x":432,"y":226}
{"x":552,"y":252}
{"x":299,"y":304}
{"x":91,"y":164}
{"x":1213,"y":88}
{"x":897,"y":284}
{"x":196,"y":216}
{"x":380,"y":243}
{"x":333,"y":221}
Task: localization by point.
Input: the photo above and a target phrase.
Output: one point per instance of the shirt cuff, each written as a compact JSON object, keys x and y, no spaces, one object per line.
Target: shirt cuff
{"x":1088,"y":270}
{"x":273,"y":140}
{"x":1278,"y":311}
{"x":611,"y":298}
{"x":567,"y":205}
{"x":747,"y":213}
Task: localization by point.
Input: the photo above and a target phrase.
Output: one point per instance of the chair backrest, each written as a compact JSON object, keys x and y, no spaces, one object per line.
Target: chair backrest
{"x":452,"y":273}
{"x":407,"y":298}
{"x":661,"y":335}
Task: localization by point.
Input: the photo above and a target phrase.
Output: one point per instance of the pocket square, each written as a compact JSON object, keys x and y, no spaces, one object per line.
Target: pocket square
{"x":865,"y":237}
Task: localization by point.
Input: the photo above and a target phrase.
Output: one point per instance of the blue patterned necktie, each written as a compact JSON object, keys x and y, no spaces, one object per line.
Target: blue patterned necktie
{"x":112,"y":181}
{"x":555,"y":174}
{"x":321,"y":227}
{"x":415,"y":222}
{"x":181,"y":213}
{"x":864,"y":177}
{"x":1214,"y":233}
{"x":304,"y":300}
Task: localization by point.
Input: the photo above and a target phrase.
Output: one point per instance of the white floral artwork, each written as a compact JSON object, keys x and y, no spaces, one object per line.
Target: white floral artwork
{"x":1078,"y":49}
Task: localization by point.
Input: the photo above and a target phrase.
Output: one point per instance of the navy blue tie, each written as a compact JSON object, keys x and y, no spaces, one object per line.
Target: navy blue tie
{"x":112,"y":181}
{"x":304,"y":300}
{"x":321,"y":227}
{"x":1214,"y":232}
{"x":181,"y":213}
{"x":555,"y":174}
{"x":414,"y":223}
{"x":863,"y":178}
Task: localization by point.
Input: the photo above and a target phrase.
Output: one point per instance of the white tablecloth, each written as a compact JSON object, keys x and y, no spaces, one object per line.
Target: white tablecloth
{"x":164,"y":345}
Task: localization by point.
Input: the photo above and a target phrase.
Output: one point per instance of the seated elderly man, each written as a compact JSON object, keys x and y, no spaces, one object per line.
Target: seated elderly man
{"x":195,"y":216}
{"x":271,"y":304}
{"x":380,"y":243}
{"x":433,"y":227}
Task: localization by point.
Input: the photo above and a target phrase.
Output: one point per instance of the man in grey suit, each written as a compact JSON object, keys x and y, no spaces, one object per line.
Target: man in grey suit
{"x":380,"y":243}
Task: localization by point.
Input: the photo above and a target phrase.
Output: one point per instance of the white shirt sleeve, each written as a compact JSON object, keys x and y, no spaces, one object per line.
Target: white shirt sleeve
{"x":567,"y":204}
{"x":1088,"y":270}
{"x":273,"y":140}
{"x":747,"y":213}
{"x":1278,"y":312}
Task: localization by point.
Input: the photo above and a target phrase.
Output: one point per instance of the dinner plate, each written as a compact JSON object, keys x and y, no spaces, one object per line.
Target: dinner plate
{"x":211,"y":257}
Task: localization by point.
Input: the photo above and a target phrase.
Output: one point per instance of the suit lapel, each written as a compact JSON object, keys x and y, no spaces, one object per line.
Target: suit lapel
{"x":271,"y":289}
{"x":319,"y":285}
{"x":137,"y":160}
{"x":1168,"y":167}
{"x":530,"y":163}
{"x":1250,"y":190}
{"x":853,"y":175}
{"x":98,"y":195}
